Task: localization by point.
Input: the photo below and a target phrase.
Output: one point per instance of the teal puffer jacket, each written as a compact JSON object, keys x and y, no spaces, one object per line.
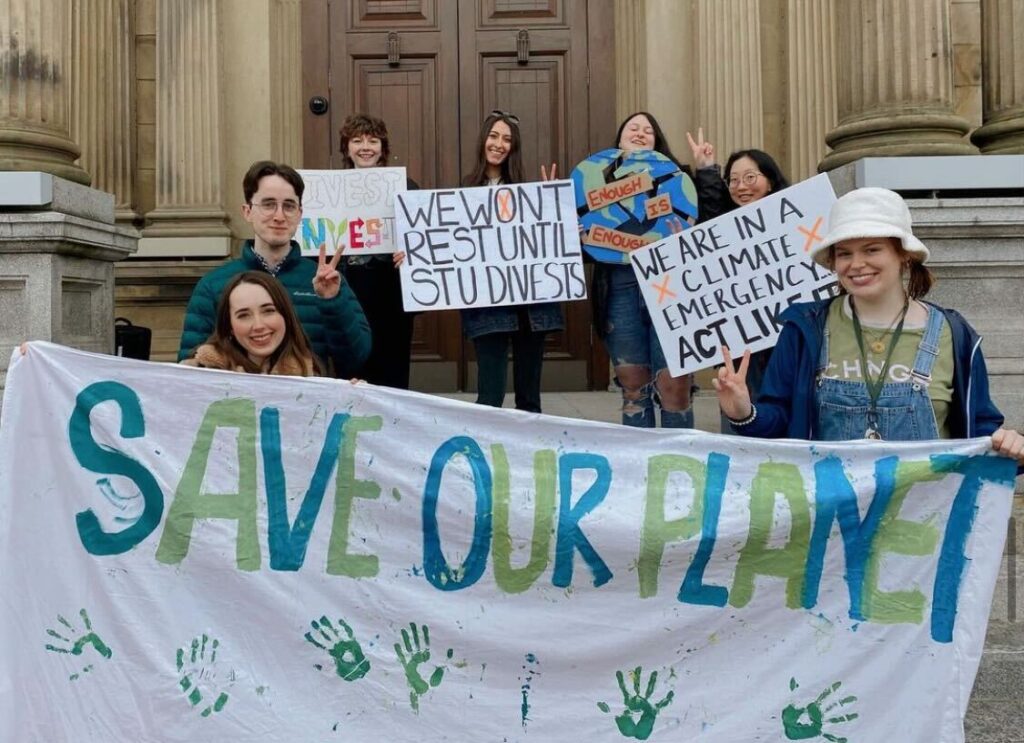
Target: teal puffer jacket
{"x":336,"y":327}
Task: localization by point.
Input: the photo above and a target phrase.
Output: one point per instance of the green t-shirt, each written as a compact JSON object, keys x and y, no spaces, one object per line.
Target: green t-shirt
{"x":844,"y":357}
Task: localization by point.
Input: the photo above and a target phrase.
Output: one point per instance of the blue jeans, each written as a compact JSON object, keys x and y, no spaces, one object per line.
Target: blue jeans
{"x":640,"y":367}
{"x":903,"y":411}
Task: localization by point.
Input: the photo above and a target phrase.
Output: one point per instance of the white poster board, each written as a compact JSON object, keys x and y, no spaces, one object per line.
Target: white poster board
{"x":725,"y":281}
{"x":490,"y":246}
{"x":350,"y":210}
{"x":196,"y":555}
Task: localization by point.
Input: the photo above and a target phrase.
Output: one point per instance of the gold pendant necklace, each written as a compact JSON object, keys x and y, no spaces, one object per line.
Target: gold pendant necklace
{"x":877,"y":342}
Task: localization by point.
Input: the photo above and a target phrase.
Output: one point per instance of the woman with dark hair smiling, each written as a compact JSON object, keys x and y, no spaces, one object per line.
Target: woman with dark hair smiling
{"x":622,"y":321}
{"x":494,"y":329}
{"x":750,"y":175}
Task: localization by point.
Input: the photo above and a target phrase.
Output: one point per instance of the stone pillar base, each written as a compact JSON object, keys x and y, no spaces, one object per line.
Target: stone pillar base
{"x":897,"y":136}
{"x":1001,"y":137}
{"x":57,"y":255}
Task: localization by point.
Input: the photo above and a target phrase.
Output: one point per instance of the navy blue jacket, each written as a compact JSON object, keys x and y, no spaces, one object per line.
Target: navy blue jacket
{"x":785,"y":405}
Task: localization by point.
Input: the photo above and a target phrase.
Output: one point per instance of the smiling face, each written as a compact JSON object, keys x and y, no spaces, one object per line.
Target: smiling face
{"x":273,"y":229}
{"x":746,"y":182}
{"x":256,"y":323}
{"x":869,"y":268}
{"x":498,"y":144}
{"x":365,"y":151}
{"x":637,"y":134}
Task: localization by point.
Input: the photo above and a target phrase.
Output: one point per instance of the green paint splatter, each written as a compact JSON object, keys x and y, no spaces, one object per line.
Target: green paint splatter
{"x":194,"y":665}
{"x":808,"y":723}
{"x":415,"y":654}
{"x":526,"y":681}
{"x":637,"y":719}
{"x":76,"y":641}
{"x":349,"y":661}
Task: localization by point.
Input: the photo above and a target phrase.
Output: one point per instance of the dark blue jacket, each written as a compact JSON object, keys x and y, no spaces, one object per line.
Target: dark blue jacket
{"x":337,"y":328}
{"x":785,"y":405}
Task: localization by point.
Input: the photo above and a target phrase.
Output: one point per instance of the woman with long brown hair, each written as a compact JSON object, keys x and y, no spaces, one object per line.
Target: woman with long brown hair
{"x":257,"y":331}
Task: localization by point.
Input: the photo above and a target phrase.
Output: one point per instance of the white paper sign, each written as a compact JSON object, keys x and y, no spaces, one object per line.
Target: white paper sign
{"x":725,"y":282}
{"x":350,"y":210}
{"x":197,"y":555}
{"x":490,"y":246}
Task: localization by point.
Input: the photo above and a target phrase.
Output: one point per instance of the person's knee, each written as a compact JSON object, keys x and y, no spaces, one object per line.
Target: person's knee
{"x":673,"y":392}
{"x":634,"y":380}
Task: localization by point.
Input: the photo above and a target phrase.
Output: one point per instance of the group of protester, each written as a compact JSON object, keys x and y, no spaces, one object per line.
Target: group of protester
{"x":831,"y":376}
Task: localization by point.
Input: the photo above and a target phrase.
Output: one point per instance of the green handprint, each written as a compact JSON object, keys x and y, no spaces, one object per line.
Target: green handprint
{"x":195,"y":667}
{"x":415,"y":655}
{"x":349,"y":661}
{"x":77,"y":646}
{"x":637,"y":703}
{"x":816,"y":715}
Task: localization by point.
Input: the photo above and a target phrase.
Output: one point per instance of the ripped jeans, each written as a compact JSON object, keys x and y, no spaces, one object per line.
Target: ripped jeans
{"x":633,"y":346}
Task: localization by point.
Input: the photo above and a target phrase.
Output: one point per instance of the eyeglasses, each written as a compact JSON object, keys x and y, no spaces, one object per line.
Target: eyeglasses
{"x":505,"y":115}
{"x":749,"y":179}
{"x":268,"y":207}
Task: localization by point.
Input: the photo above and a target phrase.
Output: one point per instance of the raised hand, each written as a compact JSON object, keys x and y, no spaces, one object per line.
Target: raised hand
{"x":675,"y":224}
{"x":637,"y":719}
{"x":731,"y":386}
{"x":327,"y":282}
{"x":703,"y":151}
{"x":554,"y":173}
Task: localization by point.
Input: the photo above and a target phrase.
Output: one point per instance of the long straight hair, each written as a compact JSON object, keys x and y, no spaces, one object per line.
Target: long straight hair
{"x":511,"y":168}
{"x":294,"y":345}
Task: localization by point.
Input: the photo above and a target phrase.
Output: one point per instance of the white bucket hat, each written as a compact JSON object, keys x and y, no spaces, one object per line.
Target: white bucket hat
{"x":869,"y":212}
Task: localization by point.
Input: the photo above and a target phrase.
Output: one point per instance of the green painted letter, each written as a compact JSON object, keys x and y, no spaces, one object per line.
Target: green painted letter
{"x":657,"y":530}
{"x":347,"y":487}
{"x":508,"y":578}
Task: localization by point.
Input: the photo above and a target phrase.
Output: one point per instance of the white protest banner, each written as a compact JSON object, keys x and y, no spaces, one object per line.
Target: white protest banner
{"x":195,"y":555}
{"x":350,"y":210}
{"x":725,"y":281}
{"x":489,"y":246}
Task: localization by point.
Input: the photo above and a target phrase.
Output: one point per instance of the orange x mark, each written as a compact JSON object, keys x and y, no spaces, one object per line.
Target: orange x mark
{"x":663,"y":289}
{"x":812,"y":234}
{"x":504,"y":205}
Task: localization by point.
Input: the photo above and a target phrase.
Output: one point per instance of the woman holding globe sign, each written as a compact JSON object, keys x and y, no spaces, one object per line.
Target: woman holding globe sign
{"x":641,"y":163}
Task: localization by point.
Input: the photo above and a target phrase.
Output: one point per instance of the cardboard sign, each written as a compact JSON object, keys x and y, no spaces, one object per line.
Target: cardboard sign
{"x":489,"y":246}
{"x":626,"y":200}
{"x":350,"y":210}
{"x":725,"y":282}
{"x":196,"y":555}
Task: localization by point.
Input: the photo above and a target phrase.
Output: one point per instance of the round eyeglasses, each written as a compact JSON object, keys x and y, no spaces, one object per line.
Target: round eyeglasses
{"x":269,"y":207}
{"x":748,"y":179}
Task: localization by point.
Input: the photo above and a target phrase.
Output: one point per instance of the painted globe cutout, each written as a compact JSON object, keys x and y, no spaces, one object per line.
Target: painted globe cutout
{"x":627,"y":199}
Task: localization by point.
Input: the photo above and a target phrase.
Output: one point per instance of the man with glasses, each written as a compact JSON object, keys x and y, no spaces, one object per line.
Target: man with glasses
{"x":328,"y":310}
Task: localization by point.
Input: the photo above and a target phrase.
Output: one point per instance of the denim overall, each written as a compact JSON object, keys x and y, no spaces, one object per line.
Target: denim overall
{"x":904,"y":411}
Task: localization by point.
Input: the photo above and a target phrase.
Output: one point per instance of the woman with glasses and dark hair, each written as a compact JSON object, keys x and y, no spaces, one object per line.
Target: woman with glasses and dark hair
{"x":749,"y":176}
{"x":622,"y":321}
{"x":374,"y":278}
{"x":494,"y":329}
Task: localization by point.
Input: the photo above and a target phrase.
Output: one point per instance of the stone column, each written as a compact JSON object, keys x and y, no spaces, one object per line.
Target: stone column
{"x":189,"y":141}
{"x":812,"y":83}
{"x":730,"y":93}
{"x":896,"y":97}
{"x":630,"y":58}
{"x":286,"y":81}
{"x":1002,"y":81}
{"x":35,"y":72}
{"x":102,"y":96}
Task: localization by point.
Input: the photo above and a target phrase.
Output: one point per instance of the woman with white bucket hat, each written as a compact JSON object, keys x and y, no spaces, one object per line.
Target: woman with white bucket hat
{"x":876,"y":362}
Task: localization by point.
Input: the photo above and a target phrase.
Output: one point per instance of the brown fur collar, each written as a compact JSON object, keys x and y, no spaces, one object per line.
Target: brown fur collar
{"x":207,"y":356}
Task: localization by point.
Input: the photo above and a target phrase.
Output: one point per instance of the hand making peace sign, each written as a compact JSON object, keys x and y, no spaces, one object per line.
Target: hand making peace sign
{"x":703,"y":151}
{"x":731,"y":386}
{"x":327,"y":282}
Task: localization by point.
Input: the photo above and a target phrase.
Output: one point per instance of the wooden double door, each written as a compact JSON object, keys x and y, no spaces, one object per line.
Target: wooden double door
{"x":433,"y":69}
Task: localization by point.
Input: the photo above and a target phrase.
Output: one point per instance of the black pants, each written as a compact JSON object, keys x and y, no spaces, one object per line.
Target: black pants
{"x":379,"y":290}
{"x":492,"y":367}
